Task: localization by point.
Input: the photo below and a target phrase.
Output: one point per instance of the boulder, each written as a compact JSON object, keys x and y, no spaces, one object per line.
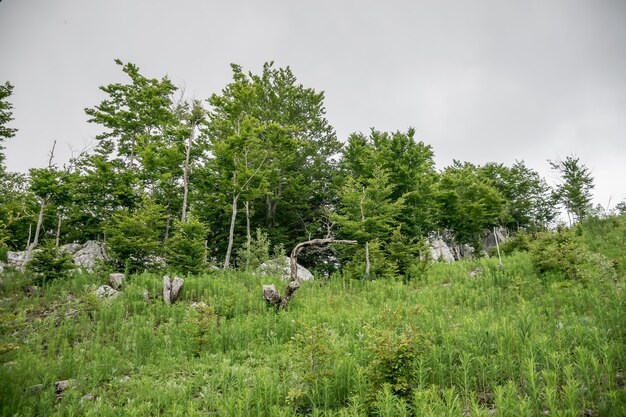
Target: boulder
{"x":281,"y":266}
{"x":439,"y":250}
{"x":171,"y":288}
{"x":71,"y":248}
{"x":16,"y":259}
{"x":104,"y":291}
{"x":116,"y":280}
{"x":89,"y":254}
{"x":490,"y":238}
{"x":463,"y":251}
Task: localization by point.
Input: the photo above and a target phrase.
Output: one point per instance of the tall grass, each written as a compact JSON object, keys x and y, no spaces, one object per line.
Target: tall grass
{"x":505,"y":341}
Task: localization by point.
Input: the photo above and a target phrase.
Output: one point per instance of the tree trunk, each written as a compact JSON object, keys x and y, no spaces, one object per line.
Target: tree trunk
{"x":367,"y":260}
{"x":58,"y":236}
{"x":183,"y":216}
{"x":367,"y":243}
{"x":167,"y":229}
{"x":272,"y":297}
{"x":231,"y":233}
{"x":248,"y":234}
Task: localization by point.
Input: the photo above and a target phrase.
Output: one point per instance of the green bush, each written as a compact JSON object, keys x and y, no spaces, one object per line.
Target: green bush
{"x":519,"y":242}
{"x":562,"y":253}
{"x":50,"y":263}
{"x":185,"y":251}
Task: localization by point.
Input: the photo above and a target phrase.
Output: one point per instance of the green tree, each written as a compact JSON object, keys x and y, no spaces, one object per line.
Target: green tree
{"x":368,"y":212}
{"x":574,"y":191}
{"x":185,"y":250}
{"x":468,"y":202}
{"x":6,"y":116}
{"x":135,"y":236}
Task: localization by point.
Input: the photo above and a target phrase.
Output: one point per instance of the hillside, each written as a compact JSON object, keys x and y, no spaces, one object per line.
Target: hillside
{"x":466,"y":338}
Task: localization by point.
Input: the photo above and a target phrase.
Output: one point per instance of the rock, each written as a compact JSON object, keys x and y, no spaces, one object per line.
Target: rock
{"x":463,"y":251}
{"x":146,"y":296}
{"x":281,"y":266}
{"x":61,"y":386}
{"x":171,"y":288}
{"x":71,"y":248}
{"x":199,"y":305}
{"x":476,"y":271}
{"x":439,"y":250}
{"x":104,"y":291}
{"x":17,"y":259}
{"x":1,"y":268}
{"x":490,"y":238}
{"x":115,"y":280}
{"x":87,"y":397}
{"x":89,"y":254}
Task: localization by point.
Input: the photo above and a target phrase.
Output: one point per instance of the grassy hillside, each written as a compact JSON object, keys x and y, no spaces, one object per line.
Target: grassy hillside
{"x":455,"y":343}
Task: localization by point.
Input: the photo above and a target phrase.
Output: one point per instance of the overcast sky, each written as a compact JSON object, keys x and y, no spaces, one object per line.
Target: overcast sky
{"x":479,"y":80}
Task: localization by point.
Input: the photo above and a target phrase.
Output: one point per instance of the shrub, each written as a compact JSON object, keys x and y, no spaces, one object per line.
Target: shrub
{"x":50,"y":263}
{"x":253,"y":254}
{"x":519,"y":242}
{"x":185,"y":251}
{"x":563,"y":253}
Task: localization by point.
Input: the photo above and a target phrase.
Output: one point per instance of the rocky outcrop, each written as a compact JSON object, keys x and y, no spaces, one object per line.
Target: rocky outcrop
{"x":281,"y":266}
{"x":86,"y":255}
{"x":499,"y":233}
{"x":171,"y":288}
{"x":89,"y":254}
{"x":439,"y":250}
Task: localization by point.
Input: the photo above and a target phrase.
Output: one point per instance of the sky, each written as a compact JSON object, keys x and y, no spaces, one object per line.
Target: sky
{"x":479,"y":80}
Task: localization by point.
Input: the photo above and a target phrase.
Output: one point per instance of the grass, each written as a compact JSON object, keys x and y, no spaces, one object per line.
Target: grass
{"x":505,"y":342}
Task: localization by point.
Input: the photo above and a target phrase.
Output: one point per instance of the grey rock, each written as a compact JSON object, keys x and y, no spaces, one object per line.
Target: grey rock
{"x":1,"y":268}
{"x":71,"y":248}
{"x":281,"y":266}
{"x":87,"y":397}
{"x":171,"y":288}
{"x":490,"y":239}
{"x":116,"y":280}
{"x":439,"y":250}
{"x":146,"y":296}
{"x":89,"y":254}
{"x":61,"y":386}
{"x":17,"y":259}
{"x":463,"y":251}
{"x":104,"y":291}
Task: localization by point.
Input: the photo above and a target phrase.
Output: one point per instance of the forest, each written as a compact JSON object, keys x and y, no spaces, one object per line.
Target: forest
{"x":523,"y":316}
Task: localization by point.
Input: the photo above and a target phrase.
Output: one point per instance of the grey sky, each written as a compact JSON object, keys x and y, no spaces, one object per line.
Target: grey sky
{"x":479,"y":80}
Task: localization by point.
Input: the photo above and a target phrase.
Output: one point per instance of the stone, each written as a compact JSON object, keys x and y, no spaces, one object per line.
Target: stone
{"x":463,"y":251}
{"x":439,"y":250}
{"x":71,"y":248}
{"x":490,"y":238}
{"x":1,"y":268}
{"x":16,"y":259}
{"x":104,"y":291}
{"x":476,"y":271}
{"x":171,"y":288}
{"x":281,"y":266}
{"x":146,"y":296}
{"x":116,"y":280}
{"x":87,"y":397}
{"x":90,"y":253}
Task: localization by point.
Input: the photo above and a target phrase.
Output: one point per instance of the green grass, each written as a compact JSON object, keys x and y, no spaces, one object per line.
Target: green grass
{"x":446,"y":345}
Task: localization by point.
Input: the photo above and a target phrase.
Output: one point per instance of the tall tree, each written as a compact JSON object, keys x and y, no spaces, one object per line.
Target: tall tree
{"x":6,"y":116}
{"x":574,"y":191}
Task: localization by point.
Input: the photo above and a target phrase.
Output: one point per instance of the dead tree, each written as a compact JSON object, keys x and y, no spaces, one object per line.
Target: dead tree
{"x":273,"y":297}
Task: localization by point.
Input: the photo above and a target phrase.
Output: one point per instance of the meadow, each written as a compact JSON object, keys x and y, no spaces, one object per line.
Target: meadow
{"x":466,"y":339}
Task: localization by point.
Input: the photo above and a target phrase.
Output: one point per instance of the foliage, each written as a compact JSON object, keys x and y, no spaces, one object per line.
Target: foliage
{"x":574,"y":192}
{"x":254,"y":253}
{"x":50,"y":263}
{"x":563,"y":253}
{"x":134,"y":237}
{"x":6,"y":116}
{"x":185,"y":249}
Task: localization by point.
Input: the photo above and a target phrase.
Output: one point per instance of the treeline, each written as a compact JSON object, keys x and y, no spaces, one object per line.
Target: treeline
{"x":193,"y":181}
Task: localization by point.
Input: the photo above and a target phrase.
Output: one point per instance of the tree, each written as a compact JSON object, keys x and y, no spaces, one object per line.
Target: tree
{"x":468,"y":203}
{"x":185,"y":249}
{"x":574,"y":191}
{"x":6,"y":116}
{"x":529,"y":201}
{"x":135,"y":236}
{"x":367,"y":211}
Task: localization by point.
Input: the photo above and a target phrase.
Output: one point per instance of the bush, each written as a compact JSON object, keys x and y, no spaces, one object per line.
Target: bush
{"x":185,"y":249}
{"x":563,"y":253}
{"x":519,"y":242}
{"x":50,"y":263}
